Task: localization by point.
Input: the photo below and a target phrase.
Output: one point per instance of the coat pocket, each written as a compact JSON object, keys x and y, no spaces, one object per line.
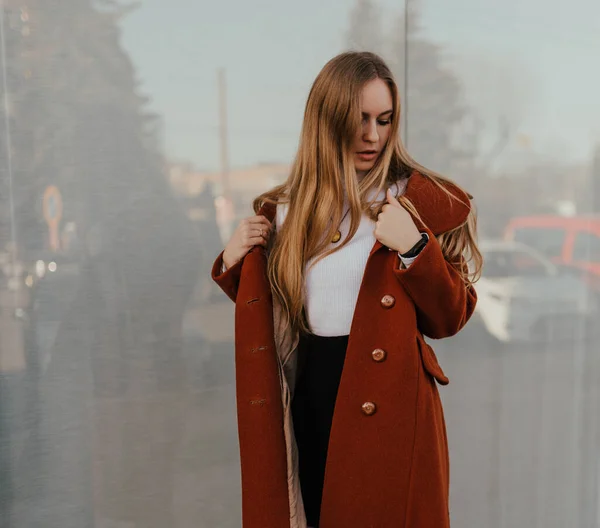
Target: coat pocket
{"x":430,"y":362}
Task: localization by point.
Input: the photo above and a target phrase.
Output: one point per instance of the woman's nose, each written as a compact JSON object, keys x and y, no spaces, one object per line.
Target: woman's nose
{"x":370,"y":132}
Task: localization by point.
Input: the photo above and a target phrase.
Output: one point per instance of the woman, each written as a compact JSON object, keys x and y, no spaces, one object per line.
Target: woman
{"x":336,"y":279}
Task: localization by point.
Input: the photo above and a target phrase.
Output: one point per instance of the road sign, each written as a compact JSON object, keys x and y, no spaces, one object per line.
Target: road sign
{"x":53,"y":210}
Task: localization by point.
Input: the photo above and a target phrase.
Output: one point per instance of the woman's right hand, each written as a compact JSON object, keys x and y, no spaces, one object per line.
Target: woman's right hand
{"x":251,"y":231}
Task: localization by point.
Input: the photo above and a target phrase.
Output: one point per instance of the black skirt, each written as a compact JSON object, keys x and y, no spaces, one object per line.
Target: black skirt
{"x":320,"y":363}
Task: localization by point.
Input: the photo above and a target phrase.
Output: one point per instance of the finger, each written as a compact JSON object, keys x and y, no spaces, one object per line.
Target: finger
{"x":392,"y":199}
{"x":256,"y":241}
{"x":259,"y":231}
{"x":257,"y":228}
{"x":259,"y":220}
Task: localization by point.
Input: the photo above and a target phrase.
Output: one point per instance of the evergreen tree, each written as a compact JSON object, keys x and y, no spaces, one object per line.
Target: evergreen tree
{"x":66,"y":75}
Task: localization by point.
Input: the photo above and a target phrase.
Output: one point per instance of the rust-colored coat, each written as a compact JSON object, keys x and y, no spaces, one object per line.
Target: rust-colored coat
{"x":389,"y":469}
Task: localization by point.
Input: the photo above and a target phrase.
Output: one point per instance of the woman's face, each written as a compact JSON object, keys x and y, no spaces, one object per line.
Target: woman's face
{"x":376,"y":108}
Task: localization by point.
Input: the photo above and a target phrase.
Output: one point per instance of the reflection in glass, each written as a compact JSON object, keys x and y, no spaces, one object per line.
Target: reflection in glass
{"x":117,"y":400}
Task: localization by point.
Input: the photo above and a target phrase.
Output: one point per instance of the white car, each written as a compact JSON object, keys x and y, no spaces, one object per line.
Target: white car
{"x":522,"y":296}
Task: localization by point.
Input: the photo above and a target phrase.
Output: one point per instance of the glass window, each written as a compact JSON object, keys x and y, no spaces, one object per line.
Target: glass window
{"x":586,"y":248}
{"x":503,"y":264}
{"x":548,"y":241}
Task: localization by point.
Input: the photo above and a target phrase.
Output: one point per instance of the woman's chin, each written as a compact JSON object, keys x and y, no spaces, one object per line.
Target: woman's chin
{"x":363,"y":166}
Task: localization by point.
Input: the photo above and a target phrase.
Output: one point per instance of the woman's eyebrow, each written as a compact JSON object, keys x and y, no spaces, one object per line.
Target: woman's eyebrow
{"x":380,"y":115}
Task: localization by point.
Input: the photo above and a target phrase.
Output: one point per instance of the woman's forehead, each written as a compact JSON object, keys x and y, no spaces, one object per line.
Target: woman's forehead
{"x":376,"y":98}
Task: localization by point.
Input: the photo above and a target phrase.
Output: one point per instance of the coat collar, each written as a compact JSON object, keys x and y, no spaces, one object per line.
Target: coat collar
{"x":439,"y":212}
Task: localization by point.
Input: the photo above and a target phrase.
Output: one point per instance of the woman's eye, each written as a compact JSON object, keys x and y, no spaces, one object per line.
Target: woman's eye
{"x":383,"y":123}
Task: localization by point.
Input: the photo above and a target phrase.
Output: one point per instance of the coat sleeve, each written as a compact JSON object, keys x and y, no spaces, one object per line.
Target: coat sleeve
{"x":444,"y":303}
{"x":229,"y":280}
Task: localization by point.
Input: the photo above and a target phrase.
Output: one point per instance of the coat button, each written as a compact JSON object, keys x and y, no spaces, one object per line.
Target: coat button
{"x":369,"y":408}
{"x":387,"y":301}
{"x":379,"y":355}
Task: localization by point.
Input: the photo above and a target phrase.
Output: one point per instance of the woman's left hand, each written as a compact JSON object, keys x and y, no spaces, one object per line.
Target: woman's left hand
{"x":395,"y":227}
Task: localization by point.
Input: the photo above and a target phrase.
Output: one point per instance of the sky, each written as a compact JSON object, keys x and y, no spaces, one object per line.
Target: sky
{"x":531,"y":61}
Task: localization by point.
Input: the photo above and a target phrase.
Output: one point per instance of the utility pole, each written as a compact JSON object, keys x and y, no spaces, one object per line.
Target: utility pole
{"x":223,"y":132}
{"x":226,"y":213}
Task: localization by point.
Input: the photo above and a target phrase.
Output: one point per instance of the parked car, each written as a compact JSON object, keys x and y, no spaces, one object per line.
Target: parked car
{"x":523,"y":296}
{"x":572,"y":242}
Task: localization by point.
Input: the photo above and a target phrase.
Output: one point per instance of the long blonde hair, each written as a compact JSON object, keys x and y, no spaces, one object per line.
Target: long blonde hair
{"x":323,"y":173}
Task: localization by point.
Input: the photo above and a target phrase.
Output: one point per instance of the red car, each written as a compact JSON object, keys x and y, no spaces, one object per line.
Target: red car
{"x":572,"y":242}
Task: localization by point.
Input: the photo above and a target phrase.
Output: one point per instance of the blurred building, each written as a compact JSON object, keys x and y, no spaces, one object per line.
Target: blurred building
{"x":244,"y":181}
{"x":245,"y":184}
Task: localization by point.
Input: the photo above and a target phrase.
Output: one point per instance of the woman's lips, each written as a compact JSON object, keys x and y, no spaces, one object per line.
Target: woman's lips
{"x":367,"y":155}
